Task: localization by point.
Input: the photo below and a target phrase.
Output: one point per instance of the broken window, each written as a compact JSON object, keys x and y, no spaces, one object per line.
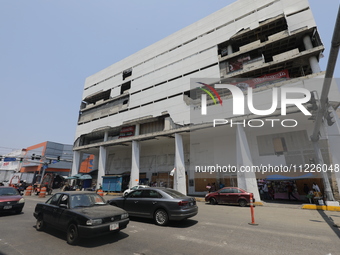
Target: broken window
{"x":125,"y":86}
{"x":127,"y":73}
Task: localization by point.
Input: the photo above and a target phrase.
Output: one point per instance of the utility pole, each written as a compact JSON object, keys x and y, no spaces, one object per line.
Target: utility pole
{"x":333,"y":55}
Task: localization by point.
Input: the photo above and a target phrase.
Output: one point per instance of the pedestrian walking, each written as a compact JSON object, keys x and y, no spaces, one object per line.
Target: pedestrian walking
{"x":208,"y":187}
{"x":290,"y":191}
{"x":265,"y":191}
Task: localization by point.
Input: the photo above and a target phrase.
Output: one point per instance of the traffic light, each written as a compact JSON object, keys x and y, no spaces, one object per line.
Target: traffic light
{"x":58,"y":158}
{"x":312,"y":103}
{"x":50,"y":161}
{"x":330,"y":116}
{"x":21,"y":159}
{"x":33,"y":156}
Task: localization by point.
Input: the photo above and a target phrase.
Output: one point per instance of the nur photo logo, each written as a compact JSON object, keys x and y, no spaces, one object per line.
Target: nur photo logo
{"x":279,"y":99}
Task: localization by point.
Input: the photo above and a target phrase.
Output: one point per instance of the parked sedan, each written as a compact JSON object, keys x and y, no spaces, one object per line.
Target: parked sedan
{"x":10,"y":200}
{"x":127,"y":191}
{"x":161,"y":204}
{"x":229,"y":195}
{"x":80,"y":214}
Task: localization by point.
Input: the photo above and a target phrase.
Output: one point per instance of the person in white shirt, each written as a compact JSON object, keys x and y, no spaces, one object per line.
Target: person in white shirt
{"x":316,"y":187}
{"x":265,"y":191}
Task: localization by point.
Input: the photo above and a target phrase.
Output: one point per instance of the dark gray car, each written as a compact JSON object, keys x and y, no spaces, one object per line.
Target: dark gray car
{"x":80,"y":214}
{"x":161,"y":204}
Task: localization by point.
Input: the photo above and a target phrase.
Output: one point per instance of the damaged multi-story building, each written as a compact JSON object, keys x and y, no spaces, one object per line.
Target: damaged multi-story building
{"x":142,"y":117}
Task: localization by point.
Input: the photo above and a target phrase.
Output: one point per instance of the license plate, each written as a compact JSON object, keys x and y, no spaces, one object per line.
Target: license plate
{"x":7,"y":207}
{"x":114,"y":226}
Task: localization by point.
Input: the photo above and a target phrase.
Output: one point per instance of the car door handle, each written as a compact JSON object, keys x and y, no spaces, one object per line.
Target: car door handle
{"x":136,"y":202}
{"x":154,"y":202}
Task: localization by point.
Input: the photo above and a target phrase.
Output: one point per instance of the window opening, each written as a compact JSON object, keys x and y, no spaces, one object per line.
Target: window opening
{"x":127,"y":73}
{"x":125,"y":86}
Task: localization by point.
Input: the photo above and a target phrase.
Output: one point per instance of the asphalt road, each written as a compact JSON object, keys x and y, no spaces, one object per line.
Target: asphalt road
{"x":220,"y":229}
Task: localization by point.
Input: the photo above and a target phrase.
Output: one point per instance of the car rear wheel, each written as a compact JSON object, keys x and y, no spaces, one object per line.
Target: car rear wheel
{"x":213,"y":201}
{"x":161,"y":217}
{"x":72,"y":234}
{"x":40,"y":225}
{"x":242,"y":203}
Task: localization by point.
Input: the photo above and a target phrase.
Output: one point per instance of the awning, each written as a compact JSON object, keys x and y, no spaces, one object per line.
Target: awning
{"x":278,"y":177}
{"x":76,"y":176}
{"x":71,"y":178}
{"x":85,"y":177}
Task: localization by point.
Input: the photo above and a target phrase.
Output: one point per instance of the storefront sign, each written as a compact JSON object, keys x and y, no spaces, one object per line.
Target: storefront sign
{"x":127,"y":131}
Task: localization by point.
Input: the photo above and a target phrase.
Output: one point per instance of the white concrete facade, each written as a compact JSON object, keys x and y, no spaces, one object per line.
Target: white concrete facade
{"x":150,"y":93}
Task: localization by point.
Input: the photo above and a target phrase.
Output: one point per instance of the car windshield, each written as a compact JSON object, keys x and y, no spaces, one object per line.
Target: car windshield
{"x":8,"y":191}
{"x":86,"y":200}
{"x":174,"y":193}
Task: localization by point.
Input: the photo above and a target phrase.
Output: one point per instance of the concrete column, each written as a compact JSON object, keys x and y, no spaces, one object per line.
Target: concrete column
{"x":77,"y":157}
{"x":179,"y":175}
{"x":333,"y":135}
{"x":102,"y":158}
{"x":95,"y":161}
{"x":134,"y":177}
{"x":230,"y":49}
{"x":101,"y":165}
{"x":313,"y":61}
{"x":245,"y":180}
{"x":137,"y":129}
{"x":106,"y":136}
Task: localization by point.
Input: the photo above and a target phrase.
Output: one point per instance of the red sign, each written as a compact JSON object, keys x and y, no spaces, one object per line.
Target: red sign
{"x":253,"y":83}
{"x":127,"y":131}
{"x":237,"y":63}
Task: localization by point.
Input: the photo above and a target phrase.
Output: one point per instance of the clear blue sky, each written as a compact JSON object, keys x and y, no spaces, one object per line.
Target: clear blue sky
{"x":48,"y":48}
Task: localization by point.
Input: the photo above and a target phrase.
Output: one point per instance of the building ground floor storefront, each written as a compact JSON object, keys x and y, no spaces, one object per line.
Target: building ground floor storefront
{"x":189,"y":161}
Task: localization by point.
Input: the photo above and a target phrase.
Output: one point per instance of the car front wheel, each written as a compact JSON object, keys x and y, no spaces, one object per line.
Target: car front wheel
{"x":161,"y":217}
{"x":213,"y":201}
{"x":72,"y":234}
{"x":40,"y":225}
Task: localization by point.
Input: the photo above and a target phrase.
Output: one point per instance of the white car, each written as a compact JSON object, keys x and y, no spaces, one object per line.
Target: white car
{"x":127,"y":191}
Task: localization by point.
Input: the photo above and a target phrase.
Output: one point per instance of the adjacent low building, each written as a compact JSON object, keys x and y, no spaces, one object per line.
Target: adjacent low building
{"x":35,"y":161}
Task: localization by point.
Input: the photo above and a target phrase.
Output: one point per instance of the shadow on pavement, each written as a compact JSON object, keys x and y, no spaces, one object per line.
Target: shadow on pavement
{"x":175,"y":224}
{"x":88,"y":242}
{"x":330,"y":222}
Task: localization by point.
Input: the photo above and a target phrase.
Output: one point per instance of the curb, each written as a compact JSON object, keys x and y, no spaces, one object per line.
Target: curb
{"x":321,"y":207}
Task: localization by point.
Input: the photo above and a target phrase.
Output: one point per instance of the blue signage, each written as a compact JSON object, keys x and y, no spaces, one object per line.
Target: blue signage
{"x":10,"y":159}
